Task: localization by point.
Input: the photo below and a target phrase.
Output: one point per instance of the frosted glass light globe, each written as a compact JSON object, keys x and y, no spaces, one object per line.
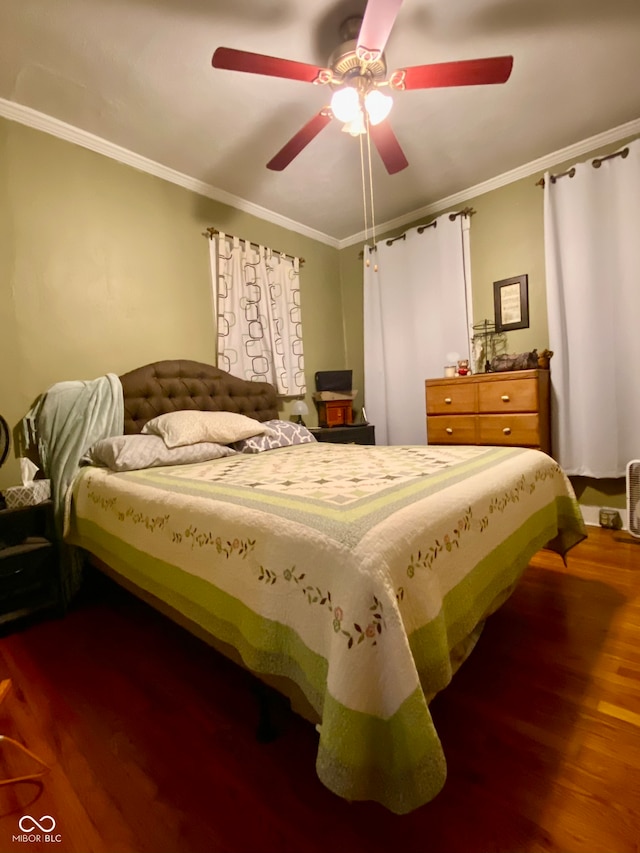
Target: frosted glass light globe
{"x":345,"y":104}
{"x":378,"y":105}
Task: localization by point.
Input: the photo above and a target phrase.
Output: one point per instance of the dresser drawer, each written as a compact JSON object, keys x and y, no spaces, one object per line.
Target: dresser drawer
{"x":510,"y":395}
{"x":27,"y":577}
{"x":509,"y":429}
{"x":453,"y":429}
{"x":458,"y":397}
{"x":18,"y":524}
{"x":26,"y":564}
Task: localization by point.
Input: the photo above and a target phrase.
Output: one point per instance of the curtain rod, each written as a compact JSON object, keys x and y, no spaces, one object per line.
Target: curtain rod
{"x":419,"y":229}
{"x":467,"y":211}
{"x":211,"y":232}
{"x":595,"y":163}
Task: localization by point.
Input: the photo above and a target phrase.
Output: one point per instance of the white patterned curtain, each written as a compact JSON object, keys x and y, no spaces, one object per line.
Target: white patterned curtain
{"x":592,"y":251}
{"x":259,"y":321}
{"x":415,"y":312}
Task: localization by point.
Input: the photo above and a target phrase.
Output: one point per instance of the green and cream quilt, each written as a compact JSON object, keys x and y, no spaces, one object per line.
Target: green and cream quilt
{"x":354,"y":571}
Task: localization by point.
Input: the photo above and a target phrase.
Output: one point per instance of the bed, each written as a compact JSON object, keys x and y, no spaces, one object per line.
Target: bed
{"x":355,"y":578}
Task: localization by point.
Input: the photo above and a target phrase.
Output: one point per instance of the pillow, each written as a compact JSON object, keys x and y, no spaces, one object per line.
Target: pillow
{"x":190,"y":426}
{"x":131,"y":452}
{"x":283,"y":434}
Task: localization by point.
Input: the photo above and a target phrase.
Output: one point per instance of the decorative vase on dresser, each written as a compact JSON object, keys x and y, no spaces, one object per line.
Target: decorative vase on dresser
{"x":508,"y":409}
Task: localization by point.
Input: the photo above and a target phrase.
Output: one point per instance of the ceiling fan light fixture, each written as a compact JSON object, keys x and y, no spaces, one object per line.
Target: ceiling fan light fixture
{"x":345,"y":104}
{"x":378,"y":105}
{"x":354,"y":73}
{"x":356,"y":126}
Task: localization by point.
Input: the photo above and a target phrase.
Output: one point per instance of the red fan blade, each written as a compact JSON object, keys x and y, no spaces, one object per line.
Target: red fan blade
{"x":259,"y":63}
{"x":468,"y":72}
{"x":302,"y":138}
{"x":379,"y":18}
{"x":388,"y":147}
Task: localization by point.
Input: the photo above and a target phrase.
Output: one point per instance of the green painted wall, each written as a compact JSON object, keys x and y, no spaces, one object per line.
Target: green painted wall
{"x":104,"y":268}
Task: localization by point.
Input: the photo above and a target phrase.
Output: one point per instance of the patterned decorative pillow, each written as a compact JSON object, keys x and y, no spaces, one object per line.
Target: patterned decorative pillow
{"x":132,"y":452}
{"x":190,"y":427}
{"x":283,"y":434}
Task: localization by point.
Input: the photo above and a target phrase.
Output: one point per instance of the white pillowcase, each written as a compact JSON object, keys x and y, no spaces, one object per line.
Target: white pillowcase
{"x":132,"y":452}
{"x":190,"y":427}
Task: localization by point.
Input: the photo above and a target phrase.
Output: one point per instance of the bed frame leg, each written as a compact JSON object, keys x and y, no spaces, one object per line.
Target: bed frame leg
{"x":270,"y":711}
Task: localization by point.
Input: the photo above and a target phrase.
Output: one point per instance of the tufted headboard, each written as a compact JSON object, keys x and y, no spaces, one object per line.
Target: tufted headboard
{"x":167,"y":386}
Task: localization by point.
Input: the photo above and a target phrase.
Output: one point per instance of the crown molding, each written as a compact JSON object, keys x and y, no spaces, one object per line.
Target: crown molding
{"x":62,"y":130}
{"x":549,"y":161}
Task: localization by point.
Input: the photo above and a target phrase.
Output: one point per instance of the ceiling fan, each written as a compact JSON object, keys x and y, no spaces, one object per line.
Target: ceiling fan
{"x":357,"y":73}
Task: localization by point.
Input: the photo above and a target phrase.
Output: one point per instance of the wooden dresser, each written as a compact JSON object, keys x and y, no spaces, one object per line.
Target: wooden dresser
{"x":509,"y":408}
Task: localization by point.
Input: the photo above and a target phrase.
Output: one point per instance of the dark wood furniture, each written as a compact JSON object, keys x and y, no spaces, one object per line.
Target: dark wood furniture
{"x":333,"y":413}
{"x":29,"y":572}
{"x":356,"y":434}
{"x":510,"y":408}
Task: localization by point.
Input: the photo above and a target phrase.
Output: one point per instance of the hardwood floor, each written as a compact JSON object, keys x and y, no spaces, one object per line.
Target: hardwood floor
{"x":150,"y":734}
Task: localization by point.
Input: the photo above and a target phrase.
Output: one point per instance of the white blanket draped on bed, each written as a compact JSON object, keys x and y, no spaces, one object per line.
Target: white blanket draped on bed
{"x":353,"y":571}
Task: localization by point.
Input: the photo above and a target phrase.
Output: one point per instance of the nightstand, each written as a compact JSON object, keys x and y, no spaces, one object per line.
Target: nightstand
{"x":356,"y":434}
{"x":29,"y":571}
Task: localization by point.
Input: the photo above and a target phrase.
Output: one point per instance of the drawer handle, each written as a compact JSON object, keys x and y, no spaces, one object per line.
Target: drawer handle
{"x":14,"y":572}
{"x":505,"y":398}
{"x":449,"y":431}
{"x":507,"y":430}
{"x":447,"y":400}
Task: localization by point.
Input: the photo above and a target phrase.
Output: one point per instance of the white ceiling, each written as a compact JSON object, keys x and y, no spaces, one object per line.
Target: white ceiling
{"x":138,"y":74}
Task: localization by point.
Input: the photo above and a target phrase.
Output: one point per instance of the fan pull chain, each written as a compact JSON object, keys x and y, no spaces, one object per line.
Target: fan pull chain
{"x":373,"y":209}
{"x":364,"y":198}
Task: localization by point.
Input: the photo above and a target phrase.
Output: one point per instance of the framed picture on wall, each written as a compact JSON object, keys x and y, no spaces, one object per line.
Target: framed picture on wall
{"x":511,"y":302}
